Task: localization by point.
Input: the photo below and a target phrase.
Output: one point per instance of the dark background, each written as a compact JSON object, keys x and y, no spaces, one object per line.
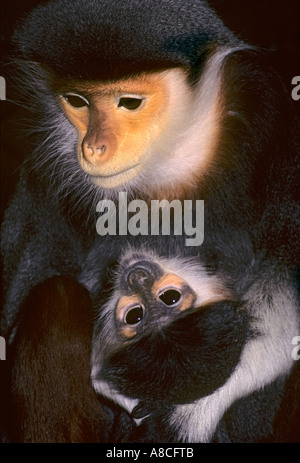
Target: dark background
{"x":273,"y":25}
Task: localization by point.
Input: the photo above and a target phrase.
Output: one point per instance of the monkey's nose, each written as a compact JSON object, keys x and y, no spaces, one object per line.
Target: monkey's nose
{"x":138,"y":276}
{"x":92,"y":150}
{"x":141,"y":274}
{"x":98,"y":149}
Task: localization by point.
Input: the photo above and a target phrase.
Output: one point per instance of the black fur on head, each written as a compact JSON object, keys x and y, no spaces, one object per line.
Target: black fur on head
{"x":95,"y":50}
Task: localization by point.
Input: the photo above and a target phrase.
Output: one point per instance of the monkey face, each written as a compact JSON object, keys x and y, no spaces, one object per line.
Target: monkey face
{"x":128,"y":130}
{"x":117,"y":122}
{"x":160,"y":338}
{"x":152,"y":299}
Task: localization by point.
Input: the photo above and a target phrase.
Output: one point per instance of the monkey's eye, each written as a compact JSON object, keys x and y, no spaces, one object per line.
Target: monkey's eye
{"x":77,"y":101}
{"x":170,"y":297}
{"x":130,"y":103}
{"x":134,"y":315}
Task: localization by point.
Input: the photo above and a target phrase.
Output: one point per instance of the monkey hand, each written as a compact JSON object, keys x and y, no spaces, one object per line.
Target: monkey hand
{"x":143,"y":409}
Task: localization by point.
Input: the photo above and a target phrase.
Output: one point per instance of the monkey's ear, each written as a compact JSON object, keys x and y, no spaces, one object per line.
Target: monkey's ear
{"x":52,"y":399}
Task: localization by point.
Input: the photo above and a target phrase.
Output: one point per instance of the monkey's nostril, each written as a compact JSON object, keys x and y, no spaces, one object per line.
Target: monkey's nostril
{"x":93,"y":152}
{"x":91,"y":149}
{"x":101,"y":150}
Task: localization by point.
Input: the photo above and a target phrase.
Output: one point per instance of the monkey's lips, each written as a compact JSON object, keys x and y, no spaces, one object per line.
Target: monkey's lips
{"x":116,"y":179}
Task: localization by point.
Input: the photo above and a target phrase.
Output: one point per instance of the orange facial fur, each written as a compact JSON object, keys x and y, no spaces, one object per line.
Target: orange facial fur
{"x":124,"y":303}
{"x":169,"y":280}
{"x":173,"y":281}
{"x":170,"y":139}
{"x":124,"y":133}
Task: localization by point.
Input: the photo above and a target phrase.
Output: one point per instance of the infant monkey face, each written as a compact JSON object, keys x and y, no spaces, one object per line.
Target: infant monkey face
{"x":154,"y":291}
{"x":170,"y":332}
{"x":152,"y":298}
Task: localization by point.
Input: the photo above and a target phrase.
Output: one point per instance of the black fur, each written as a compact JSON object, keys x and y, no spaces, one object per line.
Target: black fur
{"x":186,"y":360}
{"x":174,"y":36}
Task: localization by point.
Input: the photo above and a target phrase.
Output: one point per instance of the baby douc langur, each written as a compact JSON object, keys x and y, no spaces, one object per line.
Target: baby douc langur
{"x":169,"y":335}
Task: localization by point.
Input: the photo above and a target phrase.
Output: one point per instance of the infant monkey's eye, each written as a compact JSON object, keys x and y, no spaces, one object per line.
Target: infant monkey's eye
{"x":130,"y":103}
{"x":77,"y":101}
{"x":170,"y":297}
{"x":134,"y":315}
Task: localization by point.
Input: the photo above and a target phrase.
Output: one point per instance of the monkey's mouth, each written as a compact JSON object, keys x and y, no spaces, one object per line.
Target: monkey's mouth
{"x":116,"y":179}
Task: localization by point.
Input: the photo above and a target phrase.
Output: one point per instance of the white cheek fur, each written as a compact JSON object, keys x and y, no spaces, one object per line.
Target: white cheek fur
{"x":191,"y":135}
{"x":264,"y":359}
